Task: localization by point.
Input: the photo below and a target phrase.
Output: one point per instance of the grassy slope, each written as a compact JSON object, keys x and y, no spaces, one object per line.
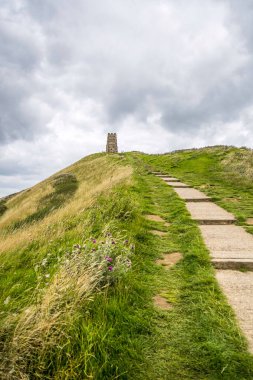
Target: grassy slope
{"x":23,"y":246}
{"x":224,"y":173}
{"x":26,"y":239}
{"x":118,"y":333}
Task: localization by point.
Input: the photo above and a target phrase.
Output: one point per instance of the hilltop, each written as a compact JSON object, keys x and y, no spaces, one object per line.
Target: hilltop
{"x":79,"y":272}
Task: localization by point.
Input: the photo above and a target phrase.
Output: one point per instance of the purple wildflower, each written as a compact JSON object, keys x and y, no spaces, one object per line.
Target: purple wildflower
{"x":94,"y":241}
{"x":110,"y":268}
{"x":113,"y":242}
{"x":126,"y":241}
{"x":109,"y":259}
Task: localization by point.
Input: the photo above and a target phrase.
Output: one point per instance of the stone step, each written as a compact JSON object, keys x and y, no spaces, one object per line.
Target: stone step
{"x":192,"y":195}
{"x":162,"y":175}
{"x":177,"y":184}
{"x":231,"y":243}
{"x":238,"y":288}
{"x":170,"y":179}
{"x":233,"y":264}
{"x":209,"y":213}
{"x":198,"y":200}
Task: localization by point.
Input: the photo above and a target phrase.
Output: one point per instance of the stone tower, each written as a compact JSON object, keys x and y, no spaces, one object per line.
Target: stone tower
{"x":111,"y":146}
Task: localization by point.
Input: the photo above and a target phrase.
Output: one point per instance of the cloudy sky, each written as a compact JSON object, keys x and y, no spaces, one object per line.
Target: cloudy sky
{"x":163,"y":74}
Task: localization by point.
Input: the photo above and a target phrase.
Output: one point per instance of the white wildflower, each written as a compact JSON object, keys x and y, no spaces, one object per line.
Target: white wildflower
{"x":7,"y":300}
{"x":44,"y":262}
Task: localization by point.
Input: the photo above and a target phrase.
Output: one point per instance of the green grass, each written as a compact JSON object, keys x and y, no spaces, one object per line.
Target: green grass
{"x":3,"y":207}
{"x":223,"y":173}
{"x":118,"y":333}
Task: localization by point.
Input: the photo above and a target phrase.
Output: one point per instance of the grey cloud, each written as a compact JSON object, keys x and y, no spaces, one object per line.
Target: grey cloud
{"x":21,"y":116}
{"x":42,"y":11}
{"x":16,"y":52}
{"x":13,"y":167}
{"x":115,"y":56}
{"x":242,"y":15}
{"x":20,"y":60}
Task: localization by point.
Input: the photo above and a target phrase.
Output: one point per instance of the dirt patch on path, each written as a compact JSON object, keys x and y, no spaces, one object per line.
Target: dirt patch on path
{"x":157,"y":218}
{"x":170,"y":259}
{"x":232,"y":200}
{"x":158,"y":233}
{"x":249,"y":221}
{"x":162,"y":303}
{"x":154,"y":218}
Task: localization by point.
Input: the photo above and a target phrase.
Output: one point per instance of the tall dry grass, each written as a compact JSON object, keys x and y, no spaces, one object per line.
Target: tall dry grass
{"x":95,"y":176}
{"x":239,"y":163}
{"x":42,"y":326}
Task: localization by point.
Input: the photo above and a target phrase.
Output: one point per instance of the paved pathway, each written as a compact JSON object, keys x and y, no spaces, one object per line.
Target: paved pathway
{"x":191,"y":195}
{"x":209,"y":213}
{"x":238,"y":289}
{"x":176,"y":184}
{"x":231,"y":248}
{"x":170,"y":179}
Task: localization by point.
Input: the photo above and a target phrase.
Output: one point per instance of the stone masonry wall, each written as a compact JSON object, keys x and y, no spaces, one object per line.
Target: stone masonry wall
{"x":111,"y":146}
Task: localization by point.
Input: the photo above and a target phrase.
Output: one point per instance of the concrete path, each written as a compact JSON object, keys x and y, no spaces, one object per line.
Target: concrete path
{"x":176,"y":184}
{"x":170,"y":179}
{"x":163,"y":175}
{"x":191,"y":195}
{"x":238,"y":287}
{"x":209,"y":213}
{"x":231,"y":248}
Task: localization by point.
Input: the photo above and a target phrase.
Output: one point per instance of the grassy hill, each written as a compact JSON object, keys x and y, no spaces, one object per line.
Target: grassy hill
{"x":224,"y":173}
{"x":79,"y":273}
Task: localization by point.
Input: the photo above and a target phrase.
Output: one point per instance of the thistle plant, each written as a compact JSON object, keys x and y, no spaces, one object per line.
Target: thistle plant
{"x":109,"y":256}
